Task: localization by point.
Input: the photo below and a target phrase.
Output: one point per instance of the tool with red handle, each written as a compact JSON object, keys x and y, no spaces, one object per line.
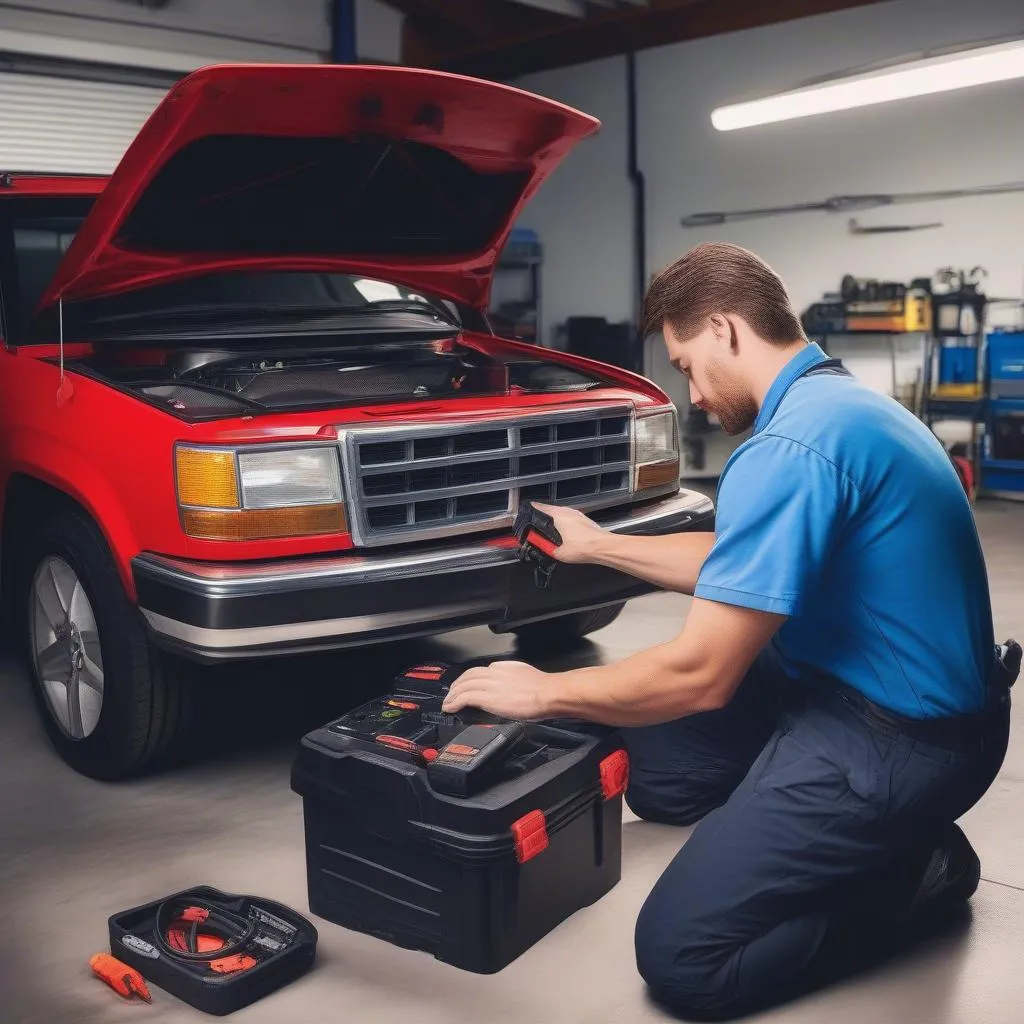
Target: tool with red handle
{"x":538,"y":541}
{"x":419,"y":753}
{"x":124,"y":980}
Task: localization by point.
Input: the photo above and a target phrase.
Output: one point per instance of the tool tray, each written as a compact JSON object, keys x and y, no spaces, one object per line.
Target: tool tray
{"x":132,"y":940}
{"x":474,"y":880}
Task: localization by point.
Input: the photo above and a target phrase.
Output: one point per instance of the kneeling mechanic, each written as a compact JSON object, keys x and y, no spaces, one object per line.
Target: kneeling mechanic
{"x":835,"y":700}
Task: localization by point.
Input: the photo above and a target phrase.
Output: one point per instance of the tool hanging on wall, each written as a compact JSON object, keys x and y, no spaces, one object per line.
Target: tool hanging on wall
{"x":887,"y":229}
{"x":848,"y":204}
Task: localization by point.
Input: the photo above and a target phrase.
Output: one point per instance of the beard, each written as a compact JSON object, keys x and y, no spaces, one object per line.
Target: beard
{"x":734,"y":406}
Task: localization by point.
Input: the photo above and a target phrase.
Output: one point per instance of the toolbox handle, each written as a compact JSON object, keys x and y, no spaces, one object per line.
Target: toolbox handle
{"x":472,"y":849}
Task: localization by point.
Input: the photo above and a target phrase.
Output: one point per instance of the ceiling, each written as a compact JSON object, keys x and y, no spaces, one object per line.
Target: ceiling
{"x":500,"y":39}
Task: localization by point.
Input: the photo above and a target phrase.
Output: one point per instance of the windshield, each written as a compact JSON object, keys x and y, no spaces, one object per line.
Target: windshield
{"x":38,"y":233}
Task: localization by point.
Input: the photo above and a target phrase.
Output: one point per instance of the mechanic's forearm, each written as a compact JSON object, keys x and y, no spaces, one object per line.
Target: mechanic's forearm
{"x":645,"y":689}
{"x":672,"y":562}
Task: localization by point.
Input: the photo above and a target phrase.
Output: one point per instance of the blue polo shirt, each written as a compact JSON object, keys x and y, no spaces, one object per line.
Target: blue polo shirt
{"x":843,"y":512}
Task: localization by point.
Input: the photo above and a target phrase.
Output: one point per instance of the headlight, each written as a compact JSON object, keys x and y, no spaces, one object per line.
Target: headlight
{"x":656,"y":452}
{"x":285,"y":478}
{"x":228,"y":494}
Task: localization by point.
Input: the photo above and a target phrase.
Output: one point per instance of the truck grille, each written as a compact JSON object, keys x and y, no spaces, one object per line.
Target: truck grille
{"x":417,"y":483}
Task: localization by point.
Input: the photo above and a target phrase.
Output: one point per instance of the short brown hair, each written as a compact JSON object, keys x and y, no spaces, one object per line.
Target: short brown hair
{"x":720,"y":278}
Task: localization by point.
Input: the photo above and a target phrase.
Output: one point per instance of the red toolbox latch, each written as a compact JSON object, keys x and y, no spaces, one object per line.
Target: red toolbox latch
{"x":432,"y":672}
{"x":615,"y":774}
{"x":531,"y":835}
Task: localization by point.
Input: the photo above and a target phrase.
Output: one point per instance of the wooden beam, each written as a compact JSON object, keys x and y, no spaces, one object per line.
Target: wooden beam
{"x":615,"y":31}
{"x":569,"y":8}
{"x":560,"y":35}
{"x":484,"y":20}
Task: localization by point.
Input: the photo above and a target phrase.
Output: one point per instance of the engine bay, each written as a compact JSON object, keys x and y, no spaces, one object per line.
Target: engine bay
{"x":210,"y":383}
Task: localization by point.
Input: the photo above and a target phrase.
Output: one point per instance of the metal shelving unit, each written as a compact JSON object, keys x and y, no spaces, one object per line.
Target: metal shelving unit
{"x":891,"y":339}
{"x":520,"y":260}
{"x":954,"y":384}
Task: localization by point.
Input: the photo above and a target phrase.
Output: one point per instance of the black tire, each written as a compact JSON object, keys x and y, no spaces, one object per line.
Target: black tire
{"x":144,"y":696}
{"x":565,"y":631}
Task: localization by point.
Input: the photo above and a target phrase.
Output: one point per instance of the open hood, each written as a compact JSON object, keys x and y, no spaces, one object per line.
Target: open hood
{"x":409,"y":175}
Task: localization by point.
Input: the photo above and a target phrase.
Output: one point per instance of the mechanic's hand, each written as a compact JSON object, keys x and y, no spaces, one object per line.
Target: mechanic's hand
{"x":580,"y":535}
{"x":509,"y":689}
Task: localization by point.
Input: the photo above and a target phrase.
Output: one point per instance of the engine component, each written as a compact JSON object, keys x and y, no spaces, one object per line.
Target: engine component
{"x":210,"y":383}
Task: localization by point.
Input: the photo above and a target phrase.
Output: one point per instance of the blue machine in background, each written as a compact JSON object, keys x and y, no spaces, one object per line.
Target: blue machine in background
{"x":1006,"y":364}
{"x":958,"y":364}
{"x":1002,"y":459}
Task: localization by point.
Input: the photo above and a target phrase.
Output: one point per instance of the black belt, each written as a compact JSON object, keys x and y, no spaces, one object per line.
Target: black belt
{"x":949,"y":731}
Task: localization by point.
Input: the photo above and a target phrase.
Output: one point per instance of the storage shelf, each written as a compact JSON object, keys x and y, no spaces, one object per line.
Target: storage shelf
{"x":877,"y":332}
{"x":955,"y":408}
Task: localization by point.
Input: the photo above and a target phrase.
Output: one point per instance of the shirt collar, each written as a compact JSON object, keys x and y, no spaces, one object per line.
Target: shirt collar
{"x":807,"y":357}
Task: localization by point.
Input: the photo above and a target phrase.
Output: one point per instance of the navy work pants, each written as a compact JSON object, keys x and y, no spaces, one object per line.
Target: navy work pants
{"x":816,"y":822}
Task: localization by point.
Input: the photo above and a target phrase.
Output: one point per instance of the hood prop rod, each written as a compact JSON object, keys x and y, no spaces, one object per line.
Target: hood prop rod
{"x":64,"y":389}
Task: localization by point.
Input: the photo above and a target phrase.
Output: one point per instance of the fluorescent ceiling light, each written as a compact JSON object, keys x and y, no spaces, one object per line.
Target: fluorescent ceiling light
{"x":981,"y":66}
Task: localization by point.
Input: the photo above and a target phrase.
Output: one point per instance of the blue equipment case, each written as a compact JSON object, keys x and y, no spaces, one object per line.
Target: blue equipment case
{"x":1002,"y":463}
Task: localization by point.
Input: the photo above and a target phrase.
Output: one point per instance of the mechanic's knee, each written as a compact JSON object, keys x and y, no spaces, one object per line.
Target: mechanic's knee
{"x":686,"y":973}
{"x":674,"y":799}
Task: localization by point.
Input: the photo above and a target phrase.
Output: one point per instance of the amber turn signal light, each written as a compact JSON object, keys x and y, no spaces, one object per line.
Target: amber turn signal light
{"x":263,"y":523}
{"x":657,"y":474}
{"x":207,"y":478}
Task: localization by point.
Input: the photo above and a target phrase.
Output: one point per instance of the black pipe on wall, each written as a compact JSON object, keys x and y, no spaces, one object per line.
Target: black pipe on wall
{"x":636,"y":176}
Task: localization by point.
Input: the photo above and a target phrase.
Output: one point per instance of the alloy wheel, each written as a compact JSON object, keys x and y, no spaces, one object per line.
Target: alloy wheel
{"x":66,"y":647}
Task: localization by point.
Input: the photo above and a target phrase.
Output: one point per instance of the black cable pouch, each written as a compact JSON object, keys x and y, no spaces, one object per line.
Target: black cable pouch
{"x":216,"y":951}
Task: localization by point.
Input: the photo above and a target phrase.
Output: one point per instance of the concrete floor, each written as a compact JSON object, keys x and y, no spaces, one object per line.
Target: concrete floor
{"x":73,"y":851}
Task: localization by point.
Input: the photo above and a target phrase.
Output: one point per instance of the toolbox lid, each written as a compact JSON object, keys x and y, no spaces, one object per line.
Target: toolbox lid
{"x":385,"y":791}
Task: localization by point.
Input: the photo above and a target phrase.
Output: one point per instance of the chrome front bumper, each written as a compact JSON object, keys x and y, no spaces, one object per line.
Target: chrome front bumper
{"x":213,"y":612}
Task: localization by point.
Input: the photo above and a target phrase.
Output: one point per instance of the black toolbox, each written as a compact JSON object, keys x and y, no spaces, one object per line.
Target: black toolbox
{"x":473,"y":879}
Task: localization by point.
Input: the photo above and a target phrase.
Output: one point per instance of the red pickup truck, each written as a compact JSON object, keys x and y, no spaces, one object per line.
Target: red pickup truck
{"x":250,"y":401}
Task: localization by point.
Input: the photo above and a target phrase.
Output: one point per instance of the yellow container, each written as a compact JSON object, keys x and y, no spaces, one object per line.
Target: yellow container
{"x":918,"y":312}
{"x":913,"y":313}
{"x":967,"y":392}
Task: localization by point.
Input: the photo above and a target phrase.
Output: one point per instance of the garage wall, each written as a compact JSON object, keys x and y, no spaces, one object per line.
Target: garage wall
{"x":583,"y":212}
{"x":61,"y":125}
{"x":378,"y":32}
{"x":960,"y":139}
{"x":215,"y":29}
{"x":274,"y":30}
{"x":60,"y":111}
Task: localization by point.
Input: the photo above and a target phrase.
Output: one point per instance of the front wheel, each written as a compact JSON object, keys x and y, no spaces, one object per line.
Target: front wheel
{"x":565,"y":631}
{"x":111,"y":703}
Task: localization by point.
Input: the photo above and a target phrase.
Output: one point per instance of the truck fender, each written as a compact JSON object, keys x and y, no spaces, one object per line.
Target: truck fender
{"x":37,"y":456}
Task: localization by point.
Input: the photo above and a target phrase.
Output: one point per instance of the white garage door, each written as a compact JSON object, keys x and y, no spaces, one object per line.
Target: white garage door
{"x":66,"y":125}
